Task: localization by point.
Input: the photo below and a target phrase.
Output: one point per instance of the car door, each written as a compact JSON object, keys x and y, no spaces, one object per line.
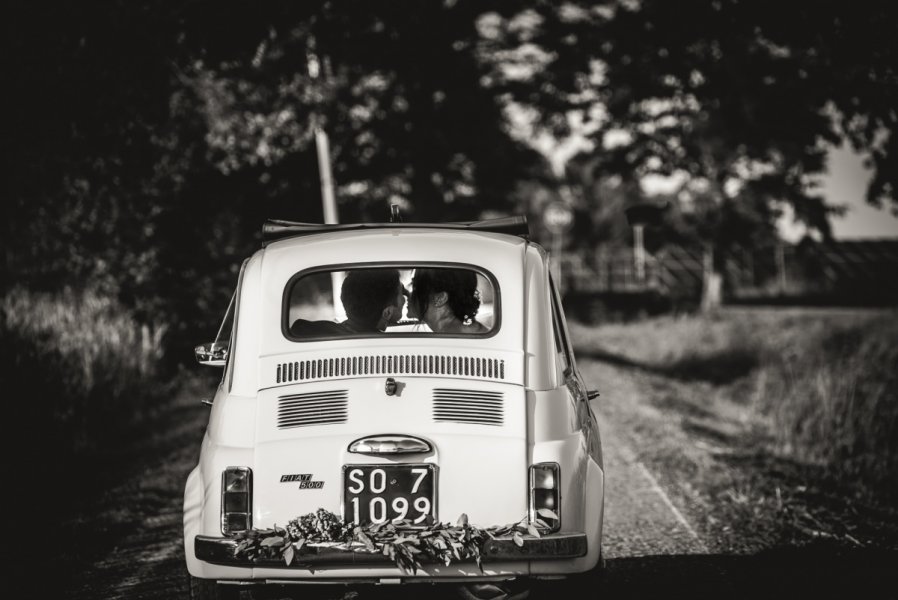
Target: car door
{"x":574,"y":381}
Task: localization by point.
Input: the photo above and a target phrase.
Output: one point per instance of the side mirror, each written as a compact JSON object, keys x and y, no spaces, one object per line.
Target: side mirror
{"x":212,"y":354}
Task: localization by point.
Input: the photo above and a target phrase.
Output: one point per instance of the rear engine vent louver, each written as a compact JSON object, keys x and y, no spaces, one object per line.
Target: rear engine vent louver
{"x":468,"y":406}
{"x":314,"y":408}
{"x":396,"y":364}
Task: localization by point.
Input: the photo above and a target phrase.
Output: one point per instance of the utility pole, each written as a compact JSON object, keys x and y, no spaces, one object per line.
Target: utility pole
{"x":322,"y":145}
{"x":324,"y":172}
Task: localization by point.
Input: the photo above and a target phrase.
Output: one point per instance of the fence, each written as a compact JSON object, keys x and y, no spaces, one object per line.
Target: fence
{"x":849,"y":272}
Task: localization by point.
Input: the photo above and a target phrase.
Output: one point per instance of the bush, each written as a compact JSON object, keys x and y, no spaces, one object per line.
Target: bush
{"x":83,"y":367}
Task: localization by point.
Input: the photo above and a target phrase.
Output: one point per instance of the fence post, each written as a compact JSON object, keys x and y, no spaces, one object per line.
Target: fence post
{"x":604,"y":269}
{"x":781,"y":267}
{"x":639,"y":253}
{"x":661,"y":271}
{"x":750,"y":266}
{"x":711,"y":281}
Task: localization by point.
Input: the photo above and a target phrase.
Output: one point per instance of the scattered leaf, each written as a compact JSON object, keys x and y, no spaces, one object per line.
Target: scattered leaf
{"x":274,"y":540}
{"x":518,"y":539}
{"x":363,"y":537}
{"x":455,"y":547}
{"x":547,"y":513}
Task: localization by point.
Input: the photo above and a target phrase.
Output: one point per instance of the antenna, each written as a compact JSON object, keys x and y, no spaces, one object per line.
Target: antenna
{"x":395,"y":217}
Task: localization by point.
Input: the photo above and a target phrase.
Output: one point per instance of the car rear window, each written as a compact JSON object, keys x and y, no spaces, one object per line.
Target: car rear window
{"x":376,"y":300}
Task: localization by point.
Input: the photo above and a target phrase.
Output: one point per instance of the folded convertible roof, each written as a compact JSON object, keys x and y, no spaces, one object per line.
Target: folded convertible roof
{"x":274,"y":229}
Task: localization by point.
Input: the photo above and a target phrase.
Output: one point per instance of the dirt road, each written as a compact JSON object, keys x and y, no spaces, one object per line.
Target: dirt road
{"x":128,"y":543}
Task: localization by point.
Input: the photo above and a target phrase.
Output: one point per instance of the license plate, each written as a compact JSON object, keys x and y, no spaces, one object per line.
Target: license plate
{"x":381,"y":493}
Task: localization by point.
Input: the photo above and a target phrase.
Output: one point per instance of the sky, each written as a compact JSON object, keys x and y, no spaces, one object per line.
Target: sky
{"x":846,"y":184}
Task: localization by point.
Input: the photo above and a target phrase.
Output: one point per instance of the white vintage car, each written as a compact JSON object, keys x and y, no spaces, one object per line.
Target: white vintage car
{"x":399,"y":405}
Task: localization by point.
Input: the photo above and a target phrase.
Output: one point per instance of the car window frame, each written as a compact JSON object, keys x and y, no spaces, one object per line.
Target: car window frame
{"x":560,"y":327}
{"x":232,"y":338}
{"x":497,"y":300}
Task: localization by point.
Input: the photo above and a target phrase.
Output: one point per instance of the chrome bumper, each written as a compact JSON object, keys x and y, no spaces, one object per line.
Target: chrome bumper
{"x":222,"y":551}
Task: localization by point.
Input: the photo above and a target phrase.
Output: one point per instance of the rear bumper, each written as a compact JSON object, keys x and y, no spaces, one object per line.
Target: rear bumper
{"x":558,"y":546}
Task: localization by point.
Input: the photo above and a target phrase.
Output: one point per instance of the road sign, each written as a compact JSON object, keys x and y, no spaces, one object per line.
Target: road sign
{"x":558,"y":217}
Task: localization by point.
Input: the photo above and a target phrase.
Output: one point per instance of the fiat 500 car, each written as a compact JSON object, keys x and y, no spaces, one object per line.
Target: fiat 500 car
{"x":399,"y":405}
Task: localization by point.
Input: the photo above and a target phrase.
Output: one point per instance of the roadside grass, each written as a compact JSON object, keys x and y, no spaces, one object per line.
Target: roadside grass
{"x":772,"y":427}
{"x":820,"y":386}
{"x":834,"y":401}
{"x":91,"y":427}
{"x":84,"y":370}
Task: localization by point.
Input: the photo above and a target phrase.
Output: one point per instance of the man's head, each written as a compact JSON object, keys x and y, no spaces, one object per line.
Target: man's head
{"x":373,"y":298}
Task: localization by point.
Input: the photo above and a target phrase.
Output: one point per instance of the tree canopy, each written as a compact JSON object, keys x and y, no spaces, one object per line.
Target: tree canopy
{"x":150,"y":139}
{"x":739,"y":101}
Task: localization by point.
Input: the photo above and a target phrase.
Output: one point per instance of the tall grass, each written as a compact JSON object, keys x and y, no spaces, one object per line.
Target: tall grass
{"x":824,"y":381}
{"x":834,"y":400}
{"x":83,"y":368}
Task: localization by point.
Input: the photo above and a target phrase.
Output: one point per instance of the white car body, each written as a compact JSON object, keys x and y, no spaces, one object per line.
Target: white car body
{"x":481,"y":469}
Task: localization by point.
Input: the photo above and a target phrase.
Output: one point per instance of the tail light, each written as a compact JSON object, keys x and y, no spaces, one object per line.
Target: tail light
{"x":236,"y":499}
{"x":545,"y":499}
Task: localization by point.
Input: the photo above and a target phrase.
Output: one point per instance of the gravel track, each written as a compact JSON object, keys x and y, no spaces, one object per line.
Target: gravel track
{"x":131,"y":539}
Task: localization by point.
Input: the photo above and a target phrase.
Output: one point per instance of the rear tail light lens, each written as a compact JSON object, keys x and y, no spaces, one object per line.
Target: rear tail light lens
{"x":544,"y":495}
{"x":235,"y":522}
{"x":236,"y":499}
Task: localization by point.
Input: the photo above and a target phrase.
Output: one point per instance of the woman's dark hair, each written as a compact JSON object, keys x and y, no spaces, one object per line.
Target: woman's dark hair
{"x":460,"y":286}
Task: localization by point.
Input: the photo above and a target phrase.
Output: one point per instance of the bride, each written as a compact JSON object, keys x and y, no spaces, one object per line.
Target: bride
{"x":446,"y":300}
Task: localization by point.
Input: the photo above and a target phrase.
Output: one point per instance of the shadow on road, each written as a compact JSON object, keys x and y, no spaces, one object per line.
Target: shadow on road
{"x":718,"y":368}
{"x":817,"y":571}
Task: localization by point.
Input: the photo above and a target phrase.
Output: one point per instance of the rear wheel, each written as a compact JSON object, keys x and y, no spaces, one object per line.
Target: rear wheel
{"x":510,"y":589}
{"x":209,"y":589}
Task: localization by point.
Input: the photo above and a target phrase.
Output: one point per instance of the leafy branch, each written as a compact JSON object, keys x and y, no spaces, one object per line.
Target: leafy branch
{"x":404,"y":543}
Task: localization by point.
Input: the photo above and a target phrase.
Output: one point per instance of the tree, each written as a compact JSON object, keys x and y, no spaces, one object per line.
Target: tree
{"x":152,"y":140}
{"x":397,"y":87}
{"x":739,"y":100}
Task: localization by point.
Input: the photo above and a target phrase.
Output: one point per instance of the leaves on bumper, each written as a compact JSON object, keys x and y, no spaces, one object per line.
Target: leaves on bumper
{"x":404,"y":543}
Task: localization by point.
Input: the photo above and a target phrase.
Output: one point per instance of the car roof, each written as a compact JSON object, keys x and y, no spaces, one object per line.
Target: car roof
{"x":274,"y":230}
{"x":486,"y":249}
